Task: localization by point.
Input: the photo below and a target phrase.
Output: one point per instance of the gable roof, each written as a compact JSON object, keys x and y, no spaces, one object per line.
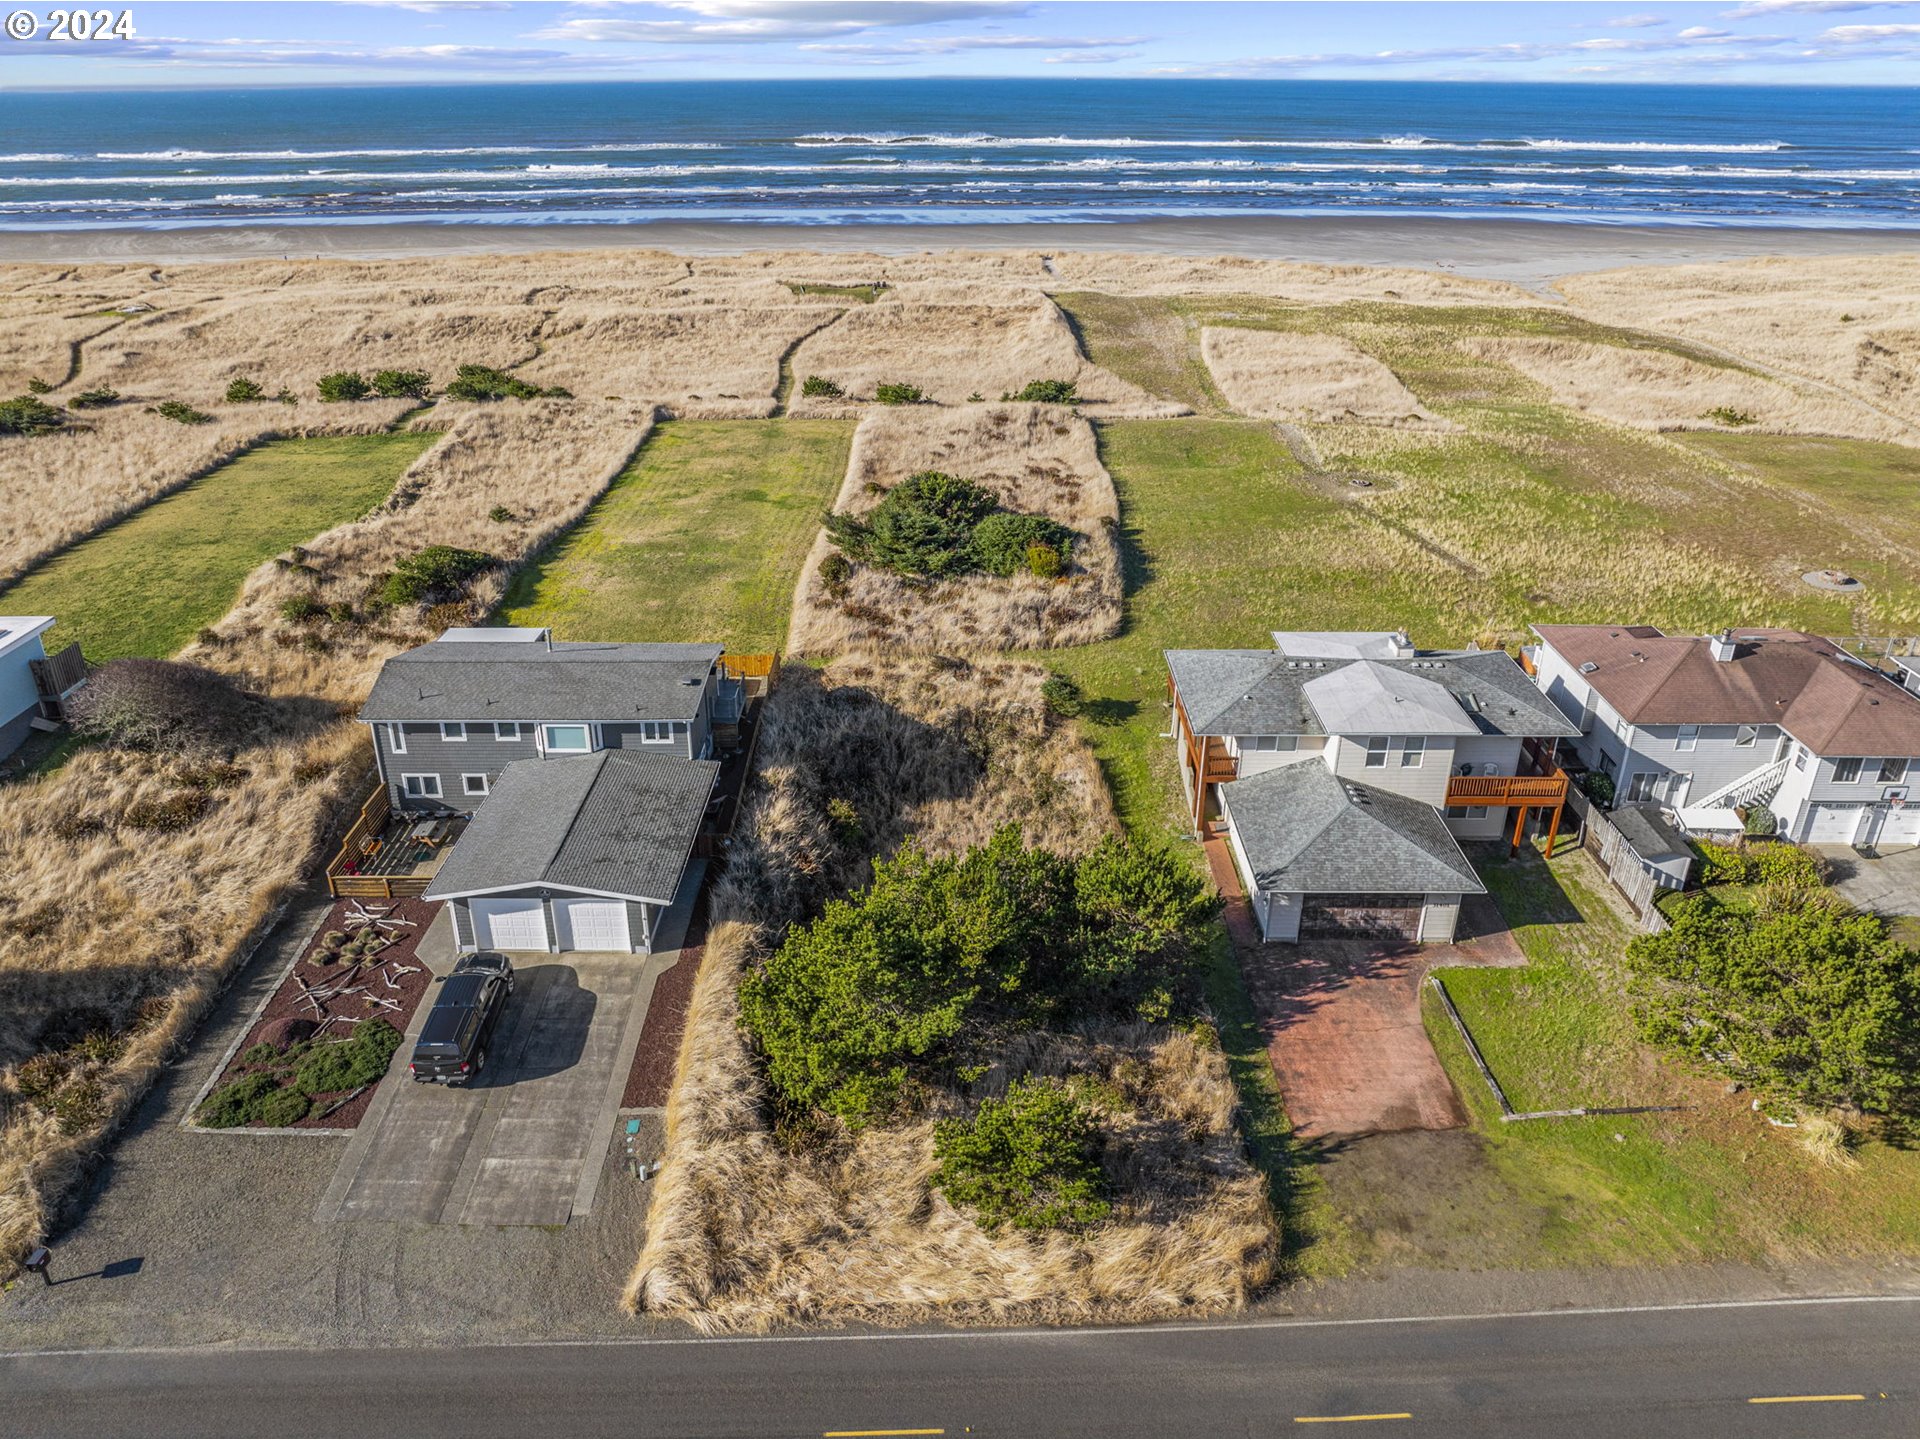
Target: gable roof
{"x":1306,"y":830}
{"x":1803,"y":683}
{"x":609,"y":822}
{"x":1265,"y":692}
{"x":529,"y":680}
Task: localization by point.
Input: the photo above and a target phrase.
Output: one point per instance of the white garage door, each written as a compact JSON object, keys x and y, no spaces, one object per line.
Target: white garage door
{"x":1833,"y":824}
{"x":1897,"y":827}
{"x":504,"y":924}
{"x":591,"y":924}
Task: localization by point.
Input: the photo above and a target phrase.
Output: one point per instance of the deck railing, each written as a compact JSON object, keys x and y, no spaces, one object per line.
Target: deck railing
{"x":1507,"y":789}
{"x":366,"y":830}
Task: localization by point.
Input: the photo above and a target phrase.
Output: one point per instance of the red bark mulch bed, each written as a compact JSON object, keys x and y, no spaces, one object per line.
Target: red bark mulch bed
{"x":397,"y":963}
{"x":653,"y":1062}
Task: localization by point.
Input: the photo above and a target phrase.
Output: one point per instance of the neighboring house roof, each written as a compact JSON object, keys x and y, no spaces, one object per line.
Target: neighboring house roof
{"x":1803,"y":683}
{"x":1306,"y":830}
{"x":1652,"y":836}
{"x":612,"y":823}
{"x":1264,"y":692}
{"x":17,"y":630}
{"x":530,"y":680}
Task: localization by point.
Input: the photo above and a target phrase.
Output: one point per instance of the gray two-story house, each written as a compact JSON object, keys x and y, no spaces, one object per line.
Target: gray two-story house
{"x":583,"y":768}
{"x":447,"y":717}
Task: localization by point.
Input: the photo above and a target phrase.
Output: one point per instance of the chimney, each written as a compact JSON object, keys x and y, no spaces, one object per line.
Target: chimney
{"x":1402,"y":645}
{"x":1721,"y":646}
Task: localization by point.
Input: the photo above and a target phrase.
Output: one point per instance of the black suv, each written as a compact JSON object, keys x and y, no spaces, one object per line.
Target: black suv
{"x":453,"y":1043}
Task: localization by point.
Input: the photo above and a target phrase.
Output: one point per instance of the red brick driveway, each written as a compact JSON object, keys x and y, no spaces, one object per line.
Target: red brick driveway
{"x":1342,"y":1018}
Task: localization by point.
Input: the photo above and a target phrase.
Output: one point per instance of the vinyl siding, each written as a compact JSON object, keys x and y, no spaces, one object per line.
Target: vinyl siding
{"x":1253,"y":762}
{"x":628,"y":737}
{"x":462,"y":924}
{"x":1280,"y":915}
{"x":1426,"y":781}
{"x":428,"y":754}
{"x":1439,"y":918}
{"x":19,"y":698}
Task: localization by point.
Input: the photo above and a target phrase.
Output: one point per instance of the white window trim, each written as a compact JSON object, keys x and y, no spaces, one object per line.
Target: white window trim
{"x":1900,"y":779}
{"x":467,"y":786}
{"x":1413,"y":751}
{"x":1859,"y":770}
{"x":647,"y":727}
{"x":435,"y":793}
{"x":546,"y":746}
{"x":500,"y":727}
{"x":1751,"y":734}
{"x":447,"y":727}
{"x":1369,"y":750}
{"x":396,"y":737}
{"x":1687,"y":737}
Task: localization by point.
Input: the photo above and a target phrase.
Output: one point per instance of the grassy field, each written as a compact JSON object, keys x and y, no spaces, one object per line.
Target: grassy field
{"x":701,"y":538}
{"x":1702,"y":1178}
{"x":147,"y":584}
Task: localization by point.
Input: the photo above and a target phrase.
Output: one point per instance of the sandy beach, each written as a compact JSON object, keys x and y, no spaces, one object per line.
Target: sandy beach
{"x":1526,"y":252}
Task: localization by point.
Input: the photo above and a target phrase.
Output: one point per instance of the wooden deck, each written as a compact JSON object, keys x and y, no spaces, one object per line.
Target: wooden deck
{"x":1507,"y":789}
{"x":380,"y":860}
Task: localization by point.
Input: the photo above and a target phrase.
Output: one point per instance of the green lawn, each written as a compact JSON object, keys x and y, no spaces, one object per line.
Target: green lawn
{"x":147,"y":584}
{"x":700,"y":538}
{"x":1704,"y":1180}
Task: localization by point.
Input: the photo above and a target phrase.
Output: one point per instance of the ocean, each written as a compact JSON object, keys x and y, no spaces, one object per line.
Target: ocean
{"x":895,"y":151}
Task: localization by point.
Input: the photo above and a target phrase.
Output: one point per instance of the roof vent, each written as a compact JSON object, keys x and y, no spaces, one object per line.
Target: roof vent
{"x":1587,"y":667}
{"x":1721,"y":646}
{"x":690,"y":679}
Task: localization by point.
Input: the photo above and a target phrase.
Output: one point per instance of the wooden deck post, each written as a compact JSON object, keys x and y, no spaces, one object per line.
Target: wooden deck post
{"x":1519,"y":828}
{"x":1553,"y":829}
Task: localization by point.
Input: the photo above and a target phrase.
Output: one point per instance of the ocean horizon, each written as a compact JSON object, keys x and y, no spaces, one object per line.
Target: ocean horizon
{"x":934,"y":151}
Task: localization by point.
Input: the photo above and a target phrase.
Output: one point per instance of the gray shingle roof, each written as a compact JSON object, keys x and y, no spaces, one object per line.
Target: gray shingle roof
{"x":1262,"y":692}
{"x":475,"y":680}
{"x":1649,"y":832}
{"x":611,"y":822}
{"x":1306,"y":830}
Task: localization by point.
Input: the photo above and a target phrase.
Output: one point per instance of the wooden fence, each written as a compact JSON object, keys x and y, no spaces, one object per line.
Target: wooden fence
{"x":1618,"y":859}
{"x":759,"y":671}
{"x":367,"y":827}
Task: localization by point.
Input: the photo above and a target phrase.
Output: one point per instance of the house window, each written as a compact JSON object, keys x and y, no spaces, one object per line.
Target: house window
{"x":1892,"y":772}
{"x":473,"y":784}
{"x":1412,"y":751}
{"x":421,"y":787}
{"x":1799,"y":757}
{"x":1845,"y":772}
{"x":506,"y":729}
{"x":1688,"y":737}
{"x":656,"y":732}
{"x":567,"y":739}
{"x":397,"y":739}
{"x":1376,"y":752}
{"x":1269,"y":742}
{"x":1745,"y":735}
{"x":453,"y":730}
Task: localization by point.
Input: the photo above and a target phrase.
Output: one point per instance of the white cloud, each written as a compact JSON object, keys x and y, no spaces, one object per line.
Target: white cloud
{"x":759,"y":22}
{"x":1634,"y":22}
{"x":1090,"y":57}
{"x":1869,"y":34}
{"x":954,"y":44}
{"x":433,"y":7}
{"x":1700,"y":32}
{"x":1753,"y":8}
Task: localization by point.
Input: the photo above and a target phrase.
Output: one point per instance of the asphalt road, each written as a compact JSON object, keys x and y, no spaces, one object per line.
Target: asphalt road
{"x":1844,"y":1367}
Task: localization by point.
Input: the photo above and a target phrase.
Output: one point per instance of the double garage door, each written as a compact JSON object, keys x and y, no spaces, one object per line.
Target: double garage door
{"x":582,"y":923}
{"x":1362,"y":917}
{"x":1878,"y":825}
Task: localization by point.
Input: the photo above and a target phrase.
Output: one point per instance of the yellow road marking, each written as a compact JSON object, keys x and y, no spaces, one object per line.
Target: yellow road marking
{"x":868,"y":1434}
{"x":1799,"y":1399}
{"x":1343,"y":1419}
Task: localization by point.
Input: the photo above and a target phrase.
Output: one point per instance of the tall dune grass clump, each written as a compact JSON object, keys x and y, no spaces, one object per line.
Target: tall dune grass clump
{"x":753,"y":1225}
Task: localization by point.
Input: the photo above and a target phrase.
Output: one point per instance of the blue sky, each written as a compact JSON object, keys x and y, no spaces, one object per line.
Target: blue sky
{"x":184,"y":44}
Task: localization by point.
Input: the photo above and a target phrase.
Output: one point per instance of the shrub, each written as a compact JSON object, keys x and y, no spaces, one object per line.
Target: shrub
{"x":1030,"y":1160}
{"x":38,"y":387}
{"x":894,"y":393}
{"x":1724,"y":864}
{"x":400,"y":384}
{"x":1062,"y":697}
{"x":180,"y":411}
{"x":1783,"y":864}
{"x":1003,"y":541}
{"x":1821,"y":1008}
{"x":1727,"y":415}
{"x":25,"y":415}
{"x":1760,"y":822}
{"x":937,"y":954}
{"x":1048,"y":392}
{"x":835,"y":571}
{"x":161,"y":705}
{"x":347,"y":1064}
{"x":1044,"y":561}
{"x":437,"y":572}
{"x":214,"y":775}
{"x":500,"y":515}
{"x":483,"y":382}
{"x":242,"y":391}
{"x":923,"y":527}
{"x":280,"y":1108}
{"x":1598,"y":787}
{"x":344,"y":385}
{"x":237,"y":1103}
{"x":177,"y":811}
{"x":259,"y":1055}
{"x":340,"y":612}
{"x":820,"y":385}
{"x":79,"y":1106}
{"x":301,"y":607}
{"x":97,"y":398}
{"x":39,"y":1077}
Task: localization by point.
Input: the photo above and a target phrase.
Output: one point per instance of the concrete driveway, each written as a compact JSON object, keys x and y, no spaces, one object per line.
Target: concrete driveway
{"x":525,"y":1144}
{"x":1888,"y":884}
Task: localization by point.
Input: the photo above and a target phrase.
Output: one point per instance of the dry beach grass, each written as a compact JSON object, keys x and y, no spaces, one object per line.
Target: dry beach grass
{"x":745,"y":1233}
{"x":1037,"y":459}
{"x":1276,"y":375}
